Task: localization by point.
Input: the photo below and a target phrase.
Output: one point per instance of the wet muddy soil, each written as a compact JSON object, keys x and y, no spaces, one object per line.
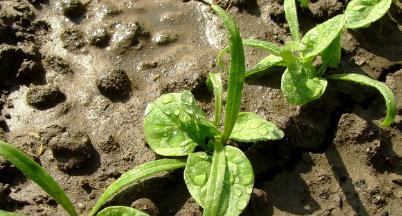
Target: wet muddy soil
{"x":75,"y":78}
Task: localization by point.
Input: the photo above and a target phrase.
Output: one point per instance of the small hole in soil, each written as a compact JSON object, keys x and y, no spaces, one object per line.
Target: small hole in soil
{"x":390,"y":70}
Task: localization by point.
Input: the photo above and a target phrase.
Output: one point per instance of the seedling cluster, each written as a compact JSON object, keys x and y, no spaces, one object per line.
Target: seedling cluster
{"x":303,"y":82}
{"x":219,"y":176}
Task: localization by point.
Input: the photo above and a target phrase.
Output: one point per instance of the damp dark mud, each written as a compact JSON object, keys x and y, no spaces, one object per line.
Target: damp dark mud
{"x":75,"y":79}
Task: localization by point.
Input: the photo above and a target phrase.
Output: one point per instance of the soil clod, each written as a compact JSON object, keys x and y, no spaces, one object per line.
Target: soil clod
{"x":98,"y":35}
{"x":146,"y":205}
{"x":115,"y":84}
{"x":72,"y":8}
{"x":165,"y":37}
{"x":72,"y":38}
{"x":126,"y":35}
{"x":44,"y":97}
{"x":72,"y":150}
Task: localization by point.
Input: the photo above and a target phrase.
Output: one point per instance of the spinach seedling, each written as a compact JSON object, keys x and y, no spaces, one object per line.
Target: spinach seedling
{"x":36,"y":173}
{"x":219,"y":177}
{"x":302,"y":82}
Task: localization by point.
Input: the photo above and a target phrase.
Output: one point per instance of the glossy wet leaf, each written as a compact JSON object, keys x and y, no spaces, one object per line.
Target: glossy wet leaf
{"x":237,"y":71}
{"x":215,"y":199}
{"x":239,"y":179}
{"x":136,"y":175}
{"x":174,"y":124}
{"x":331,"y":56}
{"x":121,"y":211}
{"x":291,"y":17}
{"x":36,"y":173}
{"x":214,"y":83}
{"x":299,"y":89}
{"x":266,"y":63}
{"x":361,"y":13}
{"x":321,"y":36}
{"x":381,"y":87}
{"x":251,"y":127}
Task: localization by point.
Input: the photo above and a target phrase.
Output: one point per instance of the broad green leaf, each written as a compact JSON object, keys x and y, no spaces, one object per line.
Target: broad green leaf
{"x":293,"y":46}
{"x":136,"y":175}
{"x":265,"y":64}
{"x":215,"y":202}
{"x":361,"y":13}
{"x":331,"y":56}
{"x":239,"y":179}
{"x":121,"y":211}
{"x":237,"y":71}
{"x":214,"y":83}
{"x":196,"y":175}
{"x":381,"y":87}
{"x":37,"y":174}
{"x":291,"y":18}
{"x":5,"y":213}
{"x":251,"y":127}
{"x":174,"y":125}
{"x":320,"y":37}
{"x":299,"y":89}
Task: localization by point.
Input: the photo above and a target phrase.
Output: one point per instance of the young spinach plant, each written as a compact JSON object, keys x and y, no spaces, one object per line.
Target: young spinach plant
{"x":218,"y":176}
{"x":302,"y":82}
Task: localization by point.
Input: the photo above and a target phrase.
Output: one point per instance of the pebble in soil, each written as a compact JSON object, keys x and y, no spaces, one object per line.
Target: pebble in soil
{"x":126,"y":35}
{"x":98,"y":35}
{"x":114,"y":85}
{"x":44,"y":97}
{"x":72,"y":150}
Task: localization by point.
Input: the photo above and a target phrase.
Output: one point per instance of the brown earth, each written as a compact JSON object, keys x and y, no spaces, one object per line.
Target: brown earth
{"x":75,"y":80}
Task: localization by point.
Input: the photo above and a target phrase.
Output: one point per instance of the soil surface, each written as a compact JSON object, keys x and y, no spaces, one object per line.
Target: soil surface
{"x":76,"y":76}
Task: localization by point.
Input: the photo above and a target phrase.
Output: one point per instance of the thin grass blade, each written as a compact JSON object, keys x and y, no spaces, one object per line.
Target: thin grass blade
{"x":215,"y":205}
{"x":291,"y":18}
{"x":135,"y":175}
{"x":37,"y":174}
{"x":381,"y":87}
{"x":214,"y":84}
{"x":237,"y":71}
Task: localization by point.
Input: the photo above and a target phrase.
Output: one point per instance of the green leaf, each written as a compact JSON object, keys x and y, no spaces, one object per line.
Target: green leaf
{"x":291,"y":17}
{"x":265,"y":45}
{"x":320,"y":37}
{"x":37,"y":174}
{"x":381,"y":87}
{"x":236,"y":75}
{"x":174,"y":125}
{"x":299,"y":89}
{"x":121,"y":211}
{"x":251,"y":127}
{"x":214,"y":83}
{"x":265,"y":64}
{"x":303,"y":3}
{"x":215,"y":202}
{"x":361,"y":13}
{"x":136,"y":175}
{"x":5,"y":213}
{"x":331,"y":56}
{"x":238,"y":182}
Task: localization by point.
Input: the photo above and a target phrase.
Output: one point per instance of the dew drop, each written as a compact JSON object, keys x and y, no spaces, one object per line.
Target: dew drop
{"x":237,"y":191}
{"x":176,"y":112}
{"x":199,"y":179}
{"x":246,"y":180}
{"x":187,"y":98}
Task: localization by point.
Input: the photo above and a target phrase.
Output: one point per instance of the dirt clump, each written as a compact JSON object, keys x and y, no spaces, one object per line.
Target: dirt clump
{"x":98,"y":35}
{"x":72,"y":38}
{"x":164,"y":37}
{"x":127,"y":35}
{"x":115,"y":84}
{"x":72,"y":150}
{"x":44,"y":97}
{"x":146,"y":205}
{"x":72,"y":8}
{"x":58,"y":64}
